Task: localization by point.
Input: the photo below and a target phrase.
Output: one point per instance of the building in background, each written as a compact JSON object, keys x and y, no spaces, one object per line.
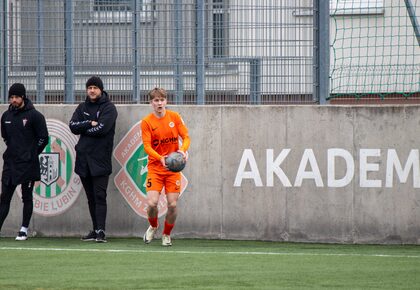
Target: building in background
{"x":237,"y":51}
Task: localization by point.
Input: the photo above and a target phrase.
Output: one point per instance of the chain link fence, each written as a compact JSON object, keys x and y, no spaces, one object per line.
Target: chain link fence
{"x":202,"y":52}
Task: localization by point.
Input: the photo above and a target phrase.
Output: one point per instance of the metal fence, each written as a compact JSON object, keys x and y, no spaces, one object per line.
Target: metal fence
{"x":202,"y":52}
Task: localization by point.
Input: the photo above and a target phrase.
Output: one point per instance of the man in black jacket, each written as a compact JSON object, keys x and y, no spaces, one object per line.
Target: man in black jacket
{"x":94,"y":120}
{"x":25,"y":133}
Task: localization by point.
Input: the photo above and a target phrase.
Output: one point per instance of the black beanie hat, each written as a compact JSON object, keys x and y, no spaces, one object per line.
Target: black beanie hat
{"x":17,"y":89}
{"x":95,"y":81}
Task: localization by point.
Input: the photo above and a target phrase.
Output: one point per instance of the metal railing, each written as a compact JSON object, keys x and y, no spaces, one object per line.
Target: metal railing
{"x":202,"y":52}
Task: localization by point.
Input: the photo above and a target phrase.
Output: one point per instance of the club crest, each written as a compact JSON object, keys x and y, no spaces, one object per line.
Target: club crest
{"x":49,"y":165}
{"x":59,"y":187}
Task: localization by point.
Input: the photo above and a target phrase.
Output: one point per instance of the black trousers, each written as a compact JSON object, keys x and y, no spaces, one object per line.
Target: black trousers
{"x":95,"y":188}
{"x":27,"y":199}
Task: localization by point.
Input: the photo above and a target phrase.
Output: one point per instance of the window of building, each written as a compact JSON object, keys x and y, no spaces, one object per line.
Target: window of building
{"x":219,"y":29}
{"x":121,"y":10}
{"x":112,"y":5}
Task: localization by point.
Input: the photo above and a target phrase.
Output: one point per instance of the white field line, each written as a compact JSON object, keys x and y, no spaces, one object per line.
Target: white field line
{"x":203,"y":252}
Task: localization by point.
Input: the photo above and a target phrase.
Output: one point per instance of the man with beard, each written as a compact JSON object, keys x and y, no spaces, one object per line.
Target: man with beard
{"x":25,"y":133}
{"x":94,"y":120}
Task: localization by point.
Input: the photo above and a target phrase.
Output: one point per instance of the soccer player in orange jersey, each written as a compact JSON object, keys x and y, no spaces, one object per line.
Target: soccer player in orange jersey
{"x":160,"y":132}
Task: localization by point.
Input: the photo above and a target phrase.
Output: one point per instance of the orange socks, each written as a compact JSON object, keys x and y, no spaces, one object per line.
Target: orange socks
{"x":168,"y":228}
{"x":153,"y":221}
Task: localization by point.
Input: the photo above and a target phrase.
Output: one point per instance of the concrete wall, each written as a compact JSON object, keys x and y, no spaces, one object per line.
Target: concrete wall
{"x":269,"y":173}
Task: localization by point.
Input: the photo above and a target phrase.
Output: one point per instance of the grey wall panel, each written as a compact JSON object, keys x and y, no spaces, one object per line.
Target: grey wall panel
{"x":310,"y":174}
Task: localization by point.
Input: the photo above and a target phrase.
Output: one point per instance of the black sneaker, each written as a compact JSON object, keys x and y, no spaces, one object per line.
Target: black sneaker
{"x":91,"y":236}
{"x":22,"y":236}
{"x":100,"y":237}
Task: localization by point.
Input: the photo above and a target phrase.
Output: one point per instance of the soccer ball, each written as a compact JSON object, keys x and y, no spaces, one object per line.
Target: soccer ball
{"x":175,"y":162}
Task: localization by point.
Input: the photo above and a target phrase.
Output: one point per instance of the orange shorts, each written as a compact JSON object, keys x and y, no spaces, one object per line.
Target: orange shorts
{"x":156,"y":181}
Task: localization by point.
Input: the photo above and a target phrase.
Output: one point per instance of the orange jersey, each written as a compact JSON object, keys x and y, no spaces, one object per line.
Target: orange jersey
{"x":160,"y":137}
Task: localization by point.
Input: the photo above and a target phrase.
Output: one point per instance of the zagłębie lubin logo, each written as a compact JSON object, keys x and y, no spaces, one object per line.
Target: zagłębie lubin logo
{"x":131,"y":179}
{"x":59,"y":186}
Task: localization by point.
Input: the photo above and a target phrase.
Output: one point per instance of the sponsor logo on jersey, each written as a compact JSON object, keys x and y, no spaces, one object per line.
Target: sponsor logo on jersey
{"x":169,"y":140}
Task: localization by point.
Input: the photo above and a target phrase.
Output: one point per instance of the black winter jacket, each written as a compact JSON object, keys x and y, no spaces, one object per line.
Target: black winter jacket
{"x":25,"y":133}
{"x":94,"y":149}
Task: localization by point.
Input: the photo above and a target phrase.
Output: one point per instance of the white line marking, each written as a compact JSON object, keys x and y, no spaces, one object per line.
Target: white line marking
{"x":205,"y":253}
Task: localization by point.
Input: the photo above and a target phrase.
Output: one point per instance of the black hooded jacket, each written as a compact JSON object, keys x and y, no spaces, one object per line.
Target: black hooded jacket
{"x":25,"y":133}
{"x":94,"y":149}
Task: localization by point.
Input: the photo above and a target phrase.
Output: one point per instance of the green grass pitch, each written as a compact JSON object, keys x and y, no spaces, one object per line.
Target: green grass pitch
{"x":68,"y":263}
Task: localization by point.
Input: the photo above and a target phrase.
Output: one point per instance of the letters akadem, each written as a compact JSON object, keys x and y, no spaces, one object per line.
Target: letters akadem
{"x":309,"y":160}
